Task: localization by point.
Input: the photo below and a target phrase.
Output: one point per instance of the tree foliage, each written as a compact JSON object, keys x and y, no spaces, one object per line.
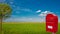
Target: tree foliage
{"x":5,"y":11}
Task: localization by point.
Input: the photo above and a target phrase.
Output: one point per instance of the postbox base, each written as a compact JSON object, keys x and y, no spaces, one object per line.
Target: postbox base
{"x":53,"y":33}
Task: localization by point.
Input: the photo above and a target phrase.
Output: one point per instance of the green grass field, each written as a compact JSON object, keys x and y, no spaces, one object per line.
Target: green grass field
{"x":26,"y":28}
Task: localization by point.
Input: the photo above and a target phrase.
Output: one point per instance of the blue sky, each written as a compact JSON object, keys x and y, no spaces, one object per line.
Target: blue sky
{"x":32,"y":10}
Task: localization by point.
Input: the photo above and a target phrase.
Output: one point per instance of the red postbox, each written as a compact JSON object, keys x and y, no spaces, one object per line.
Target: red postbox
{"x":51,"y":23}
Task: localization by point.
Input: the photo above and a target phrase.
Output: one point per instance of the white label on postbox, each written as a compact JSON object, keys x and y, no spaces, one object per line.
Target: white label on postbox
{"x":50,"y":27}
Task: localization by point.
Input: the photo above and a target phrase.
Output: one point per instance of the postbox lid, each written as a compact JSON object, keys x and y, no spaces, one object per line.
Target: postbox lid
{"x":51,"y":16}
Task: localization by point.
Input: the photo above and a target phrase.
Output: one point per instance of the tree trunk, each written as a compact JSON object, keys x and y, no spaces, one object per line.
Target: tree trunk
{"x":1,"y":25}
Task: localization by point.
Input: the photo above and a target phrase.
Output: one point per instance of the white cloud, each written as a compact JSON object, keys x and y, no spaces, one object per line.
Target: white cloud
{"x":38,"y":11}
{"x":44,"y":13}
{"x":58,"y":19}
{"x":26,"y":9}
{"x":24,"y":19}
{"x":30,"y":18}
{"x":22,"y":9}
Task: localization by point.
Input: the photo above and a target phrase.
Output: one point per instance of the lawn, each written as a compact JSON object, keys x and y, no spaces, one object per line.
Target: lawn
{"x":26,"y":28}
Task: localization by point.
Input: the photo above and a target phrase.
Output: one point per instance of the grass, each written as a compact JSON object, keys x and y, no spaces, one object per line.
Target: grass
{"x":26,"y":28}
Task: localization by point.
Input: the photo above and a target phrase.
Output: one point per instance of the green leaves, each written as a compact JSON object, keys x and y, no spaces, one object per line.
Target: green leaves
{"x":5,"y":11}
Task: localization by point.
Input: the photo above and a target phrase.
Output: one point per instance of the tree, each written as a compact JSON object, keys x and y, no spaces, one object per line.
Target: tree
{"x":5,"y":12}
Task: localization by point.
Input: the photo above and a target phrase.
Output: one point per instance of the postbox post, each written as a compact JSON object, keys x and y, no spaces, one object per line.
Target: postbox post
{"x":52,"y":23}
{"x":53,"y":33}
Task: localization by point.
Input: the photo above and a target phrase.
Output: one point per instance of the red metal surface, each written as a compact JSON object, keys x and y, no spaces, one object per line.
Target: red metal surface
{"x":51,"y":23}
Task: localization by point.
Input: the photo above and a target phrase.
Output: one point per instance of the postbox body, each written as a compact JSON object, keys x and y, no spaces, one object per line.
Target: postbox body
{"x":51,"y":23}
